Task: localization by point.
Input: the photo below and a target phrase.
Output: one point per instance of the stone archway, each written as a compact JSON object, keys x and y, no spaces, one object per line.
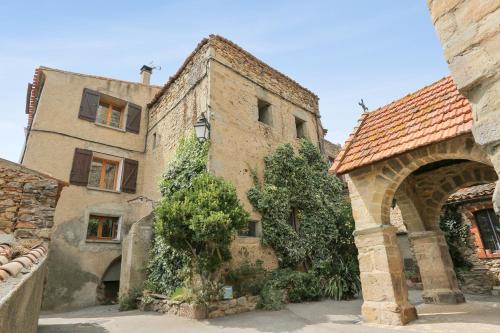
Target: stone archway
{"x":421,"y":197}
{"x":372,"y":189}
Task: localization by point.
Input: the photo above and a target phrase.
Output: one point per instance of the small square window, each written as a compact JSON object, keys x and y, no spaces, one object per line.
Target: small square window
{"x":300,"y":128}
{"x":103,"y":227}
{"x":103,"y":174}
{"x":250,"y":230}
{"x":264,"y":112}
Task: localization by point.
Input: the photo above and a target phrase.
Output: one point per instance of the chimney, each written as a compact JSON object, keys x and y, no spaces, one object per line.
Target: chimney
{"x":146,"y":74}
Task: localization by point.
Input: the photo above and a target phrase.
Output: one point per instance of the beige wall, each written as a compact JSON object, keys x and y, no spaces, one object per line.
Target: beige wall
{"x":76,"y":266}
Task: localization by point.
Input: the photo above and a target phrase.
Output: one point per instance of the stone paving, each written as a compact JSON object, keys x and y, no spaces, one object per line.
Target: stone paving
{"x":479,"y":314}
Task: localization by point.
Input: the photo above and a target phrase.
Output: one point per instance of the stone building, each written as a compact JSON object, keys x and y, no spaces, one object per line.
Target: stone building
{"x":111,"y":140}
{"x":416,"y":152}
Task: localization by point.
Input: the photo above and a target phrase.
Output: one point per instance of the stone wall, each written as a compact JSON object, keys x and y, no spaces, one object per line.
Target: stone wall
{"x":217,"y":309}
{"x":27,"y":201}
{"x":21,"y":299}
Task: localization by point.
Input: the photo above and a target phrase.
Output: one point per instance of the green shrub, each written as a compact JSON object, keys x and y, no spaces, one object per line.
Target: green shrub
{"x":248,"y":279}
{"x":271,"y":298}
{"x":129,"y":301}
{"x":457,"y":236}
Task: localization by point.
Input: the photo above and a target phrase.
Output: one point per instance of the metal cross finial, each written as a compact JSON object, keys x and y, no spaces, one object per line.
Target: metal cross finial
{"x":362,"y":104}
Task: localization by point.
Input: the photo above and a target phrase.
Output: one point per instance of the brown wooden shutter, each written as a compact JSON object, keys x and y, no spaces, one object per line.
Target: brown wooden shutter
{"x":88,"y":107}
{"x":129,"y":179}
{"x":81,"y":167}
{"x":133,"y":118}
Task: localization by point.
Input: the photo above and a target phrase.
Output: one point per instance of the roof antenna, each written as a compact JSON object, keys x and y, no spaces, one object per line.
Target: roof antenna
{"x":362,"y":104}
{"x":153,"y":66}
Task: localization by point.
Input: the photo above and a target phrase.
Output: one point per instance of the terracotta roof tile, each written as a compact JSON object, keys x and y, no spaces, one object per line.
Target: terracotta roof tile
{"x":13,"y":267}
{"x":473,"y":192}
{"x":432,"y":114}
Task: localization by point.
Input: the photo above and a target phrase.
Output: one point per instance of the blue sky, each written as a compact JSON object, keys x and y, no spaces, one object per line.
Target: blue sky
{"x":342,"y":50}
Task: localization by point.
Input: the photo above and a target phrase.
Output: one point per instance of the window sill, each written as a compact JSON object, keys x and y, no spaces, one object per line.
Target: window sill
{"x":111,"y":127}
{"x":117,"y":241}
{"x":103,"y":190}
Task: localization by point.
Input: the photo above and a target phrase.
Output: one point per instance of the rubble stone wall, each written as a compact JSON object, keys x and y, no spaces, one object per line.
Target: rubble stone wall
{"x":27,"y":202}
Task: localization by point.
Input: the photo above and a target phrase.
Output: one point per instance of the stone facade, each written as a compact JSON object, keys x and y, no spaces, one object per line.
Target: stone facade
{"x":469,"y":34}
{"x":219,"y":80}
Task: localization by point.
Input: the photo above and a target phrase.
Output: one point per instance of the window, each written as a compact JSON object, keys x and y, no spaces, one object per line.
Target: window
{"x":109,"y":114}
{"x":300,"y":128}
{"x":250,"y":230}
{"x":103,"y":174}
{"x":489,"y":229}
{"x":103,"y":227}
{"x":264,"y":112}
{"x":293,"y":220}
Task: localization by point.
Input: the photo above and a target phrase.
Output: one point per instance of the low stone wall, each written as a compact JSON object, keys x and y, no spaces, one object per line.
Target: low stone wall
{"x":196,"y":311}
{"x":21,"y":298}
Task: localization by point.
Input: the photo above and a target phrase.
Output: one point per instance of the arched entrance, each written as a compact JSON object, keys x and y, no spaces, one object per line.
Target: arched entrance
{"x":107,"y":291}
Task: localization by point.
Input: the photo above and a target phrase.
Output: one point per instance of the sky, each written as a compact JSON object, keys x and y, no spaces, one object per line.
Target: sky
{"x":341,"y":50}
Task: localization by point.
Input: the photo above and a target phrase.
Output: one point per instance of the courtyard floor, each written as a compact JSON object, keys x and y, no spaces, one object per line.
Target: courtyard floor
{"x":479,"y":314}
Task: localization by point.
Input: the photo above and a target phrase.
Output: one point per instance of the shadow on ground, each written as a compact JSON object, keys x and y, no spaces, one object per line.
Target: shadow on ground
{"x":74,"y":328}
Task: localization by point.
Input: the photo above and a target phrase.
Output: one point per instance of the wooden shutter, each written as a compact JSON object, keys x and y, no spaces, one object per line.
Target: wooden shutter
{"x":129,"y":178}
{"x":88,"y":107}
{"x":81,"y":167}
{"x":133,"y":118}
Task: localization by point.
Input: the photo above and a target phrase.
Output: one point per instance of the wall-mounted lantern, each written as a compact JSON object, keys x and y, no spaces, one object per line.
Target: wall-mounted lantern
{"x":202,"y":128}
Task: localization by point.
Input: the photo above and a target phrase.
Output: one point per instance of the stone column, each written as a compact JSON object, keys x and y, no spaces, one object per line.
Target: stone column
{"x":436,"y":268}
{"x":382,"y":279}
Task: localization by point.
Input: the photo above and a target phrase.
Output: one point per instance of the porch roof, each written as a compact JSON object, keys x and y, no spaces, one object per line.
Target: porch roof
{"x":432,"y":114}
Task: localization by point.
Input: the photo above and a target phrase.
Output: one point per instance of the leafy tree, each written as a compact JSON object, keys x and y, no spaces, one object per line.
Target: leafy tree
{"x":195,"y":221}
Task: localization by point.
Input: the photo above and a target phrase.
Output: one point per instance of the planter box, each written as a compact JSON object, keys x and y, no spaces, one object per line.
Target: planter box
{"x":197,"y":311}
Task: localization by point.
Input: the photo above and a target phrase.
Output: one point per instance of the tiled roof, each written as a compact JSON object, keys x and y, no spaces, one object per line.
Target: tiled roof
{"x":13,"y":260}
{"x":473,"y":192}
{"x":432,"y":114}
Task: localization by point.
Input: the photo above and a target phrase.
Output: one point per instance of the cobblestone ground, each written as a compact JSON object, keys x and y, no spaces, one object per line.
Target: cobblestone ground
{"x":479,"y":314}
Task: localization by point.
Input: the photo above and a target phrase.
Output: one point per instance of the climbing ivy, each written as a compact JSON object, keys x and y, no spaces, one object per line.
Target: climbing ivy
{"x":296,"y":187}
{"x":457,"y":235}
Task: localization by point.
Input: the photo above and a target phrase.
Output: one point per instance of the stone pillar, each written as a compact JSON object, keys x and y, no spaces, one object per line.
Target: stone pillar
{"x":436,"y":268}
{"x":470,"y":35}
{"x":383,"y":283}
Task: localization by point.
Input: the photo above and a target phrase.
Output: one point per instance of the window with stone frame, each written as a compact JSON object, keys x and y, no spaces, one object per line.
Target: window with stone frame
{"x":264,"y":112}
{"x":104,"y":173}
{"x":300,"y":128}
{"x":103,"y":227}
{"x":489,"y":229}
